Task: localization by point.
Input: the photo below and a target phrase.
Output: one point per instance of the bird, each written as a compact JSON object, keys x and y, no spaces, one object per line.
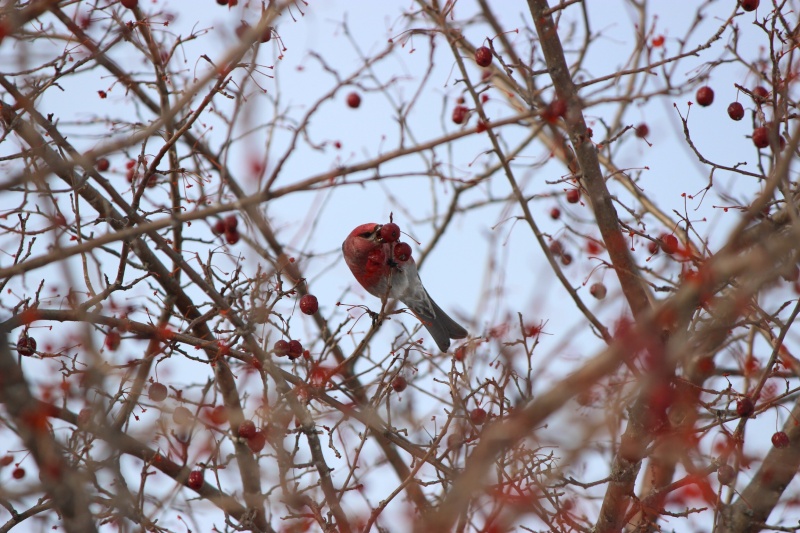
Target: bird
{"x":386,"y":269}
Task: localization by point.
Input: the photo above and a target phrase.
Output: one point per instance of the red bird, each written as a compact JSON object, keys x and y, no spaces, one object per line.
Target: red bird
{"x":386,"y":269}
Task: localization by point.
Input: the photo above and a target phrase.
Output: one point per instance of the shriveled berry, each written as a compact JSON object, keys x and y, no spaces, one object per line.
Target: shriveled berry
{"x":241,"y":29}
{"x":402,"y":252}
{"x":247,"y":429}
{"x":399,"y":384}
{"x":598,"y":290}
{"x":761,"y":137}
{"x":6,"y":460}
{"x":478,"y":416}
{"x":390,"y":232}
{"x":483,"y":56}
{"x":354,"y":100}
{"x":669,"y":243}
{"x":745,"y":407}
{"x":181,"y":415}
{"x":84,"y":417}
{"x":309,"y":304}
{"x":102,"y":164}
{"x":157,"y":392}
{"x":780,"y":439}
{"x":281,"y":348}
{"x":749,"y":5}
{"x":573,"y":196}
{"x":705,"y":96}
{"x":257,"y":441}
{"x":459,"y":114}
{"x":26,"y":345}
{"x":295,"y":349}
{"x":195,"y":480}
{"x":726,"y":474}
{"x":736,"y":111}
{"x":556,"y":248}
{"x":642,"y":130}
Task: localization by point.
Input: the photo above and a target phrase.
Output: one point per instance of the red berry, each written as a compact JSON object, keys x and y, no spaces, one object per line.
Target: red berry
{"x":749,"y":5}
{"x":281,"y":348}
{"x":18,"y":473}
{"x":295,"y":349}
{"x":726,"y":474}
{"x":267,"y":35}
{"x":573,"y":196}
{"x":480,"y":127}
{"x":231,"y":222}
{"x":112,"y":340}
{"x":780,"y":439}
{"x":566,"y":259}
{"x":705,"y":96}
{"x":102,"y":164}
{"x":460,"y":353}
{"x":642,"y":130}
{"x":555,"y":213}
{"x":195,"y":480}
{"x":554,"y":110}
{"x":399,"y":384}
{"x":157,"y":392}
{"x":390,"y":232}
{"x":6,"y":460}
{"x":247,"y":429}
{"x":219,"y":415}
{"x":181,"y":415}
{"x":309,"y":304}
{"x":598,"y":290}
{"x":669,"y":243}
{"x":231,"y":236}
{"x":459,"y":114}
{"x":760,"y":93}
{"x":257,"y":441}
{"x":26,"y":345}
{"x":761,"y":137}
{"x":745,"y":407}
{"x":353,"y":100}
{"x":222,"y":2}
{"x":478,"y":416}
{"x":242,"y":29}
{"x":402,"y":252}
{"x":483,"y":56}
{"x":652,"y":247}
{"x":736,"y":111}
{"x":556,"y":248}
{"x":219,"y":227}
{"x":130,"y":4}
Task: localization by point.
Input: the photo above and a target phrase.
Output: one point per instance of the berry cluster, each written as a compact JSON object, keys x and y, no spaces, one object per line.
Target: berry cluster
{"x":390,"y":234}
{"x":228,"y":227}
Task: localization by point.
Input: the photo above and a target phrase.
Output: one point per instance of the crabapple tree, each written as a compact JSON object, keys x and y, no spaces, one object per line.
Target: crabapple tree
{"x":602,"y":193}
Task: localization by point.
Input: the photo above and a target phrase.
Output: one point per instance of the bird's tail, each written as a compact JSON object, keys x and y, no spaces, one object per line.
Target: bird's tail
{"x":441,"y":327}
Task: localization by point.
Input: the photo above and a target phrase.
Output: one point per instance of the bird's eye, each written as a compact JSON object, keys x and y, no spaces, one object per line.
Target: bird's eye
{"x":368,"y":234}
